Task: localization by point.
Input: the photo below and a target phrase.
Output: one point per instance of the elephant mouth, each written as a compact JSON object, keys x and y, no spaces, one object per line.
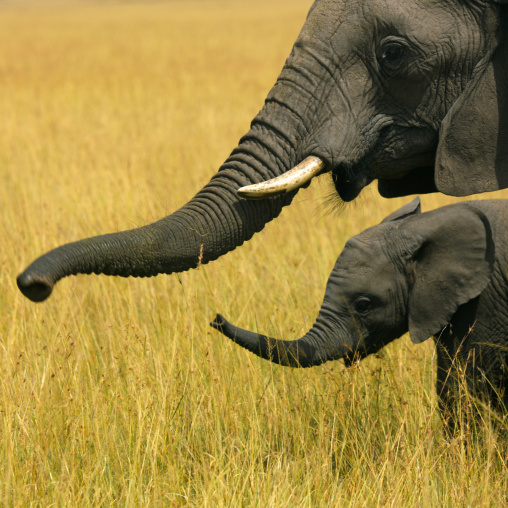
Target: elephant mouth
{"x":349,"y":179}
{"x":395,"y":155}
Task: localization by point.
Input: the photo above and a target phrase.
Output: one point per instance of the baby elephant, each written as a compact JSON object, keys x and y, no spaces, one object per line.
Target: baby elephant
{"x":442,"y":273}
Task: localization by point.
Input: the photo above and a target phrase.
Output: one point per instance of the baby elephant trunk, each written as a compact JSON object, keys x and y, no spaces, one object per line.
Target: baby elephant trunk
{"x":314,"y":348}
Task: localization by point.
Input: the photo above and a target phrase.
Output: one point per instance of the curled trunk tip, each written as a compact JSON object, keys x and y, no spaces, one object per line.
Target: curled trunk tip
{"x":33,"y":287}
{"x":221,"y":324}
{"x":297,"y":353}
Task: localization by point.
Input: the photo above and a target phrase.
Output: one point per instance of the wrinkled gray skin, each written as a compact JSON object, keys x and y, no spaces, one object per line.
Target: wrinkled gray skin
{"x":442,"y":273}
{"x":412,"y":93}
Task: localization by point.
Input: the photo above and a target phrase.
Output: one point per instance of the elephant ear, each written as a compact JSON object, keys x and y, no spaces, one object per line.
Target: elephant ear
{"x":472,"y":154}
{"x":452,"y":263}
{"x":413,"y":208}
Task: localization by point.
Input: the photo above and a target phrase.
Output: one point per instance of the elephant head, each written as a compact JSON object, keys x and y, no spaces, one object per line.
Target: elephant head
{"x":413,"y":94}
{"x":410,"y":273}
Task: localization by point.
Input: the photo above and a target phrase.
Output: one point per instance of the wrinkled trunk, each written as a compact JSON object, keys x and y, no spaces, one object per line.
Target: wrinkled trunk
{"x":216,"y":220}
{"x":213,"y":223}
{"x":319,"y":345}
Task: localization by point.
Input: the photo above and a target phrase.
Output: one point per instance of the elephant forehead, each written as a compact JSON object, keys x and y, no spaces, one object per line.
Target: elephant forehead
{"x":363,"y":254}
{"x":425,"y":20}
{"x":342,"y":24}
{"x":352,"y":25}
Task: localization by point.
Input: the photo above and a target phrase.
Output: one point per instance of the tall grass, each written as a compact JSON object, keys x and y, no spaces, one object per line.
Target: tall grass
{"x":116,"y":391}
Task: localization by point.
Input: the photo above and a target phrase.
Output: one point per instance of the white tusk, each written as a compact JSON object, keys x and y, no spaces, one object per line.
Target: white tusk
{"x":290,"y":180}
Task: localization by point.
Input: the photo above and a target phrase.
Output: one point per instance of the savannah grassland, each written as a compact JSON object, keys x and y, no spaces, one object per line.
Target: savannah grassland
{"x":116,"y":391}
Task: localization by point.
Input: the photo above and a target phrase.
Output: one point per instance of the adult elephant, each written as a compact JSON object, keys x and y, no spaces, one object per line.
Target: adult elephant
{"x":413,"y":94}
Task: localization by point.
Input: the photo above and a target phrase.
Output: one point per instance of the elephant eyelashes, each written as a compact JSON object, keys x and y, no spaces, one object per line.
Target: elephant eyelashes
{"x":362,"y":305}
{"x":393,"y":56}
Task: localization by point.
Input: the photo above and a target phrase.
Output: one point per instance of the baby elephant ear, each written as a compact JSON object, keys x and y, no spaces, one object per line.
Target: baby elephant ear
{"x":412,"y":208}
{"x":472,"y":155}
{"x":451,"y":264}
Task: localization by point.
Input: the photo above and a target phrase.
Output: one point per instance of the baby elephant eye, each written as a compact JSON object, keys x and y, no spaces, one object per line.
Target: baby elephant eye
{"x":362,"y":304}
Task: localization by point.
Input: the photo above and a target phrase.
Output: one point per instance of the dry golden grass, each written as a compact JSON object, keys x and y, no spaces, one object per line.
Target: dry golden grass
{"x":116,"y":391}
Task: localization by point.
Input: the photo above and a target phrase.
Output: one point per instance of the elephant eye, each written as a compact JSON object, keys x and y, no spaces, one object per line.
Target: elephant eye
{"x":393,"y":56}
{"x":362,"y":304}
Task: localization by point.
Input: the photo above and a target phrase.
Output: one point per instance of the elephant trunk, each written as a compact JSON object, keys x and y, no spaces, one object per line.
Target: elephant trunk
{"x":217,"y":219}
{"x":317,"y":346}
{"x":213,"y":223}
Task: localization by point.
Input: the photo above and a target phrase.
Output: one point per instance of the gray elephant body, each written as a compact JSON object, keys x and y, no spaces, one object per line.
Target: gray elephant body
{"x":442,"y":274}
{"x":412,"y":93}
